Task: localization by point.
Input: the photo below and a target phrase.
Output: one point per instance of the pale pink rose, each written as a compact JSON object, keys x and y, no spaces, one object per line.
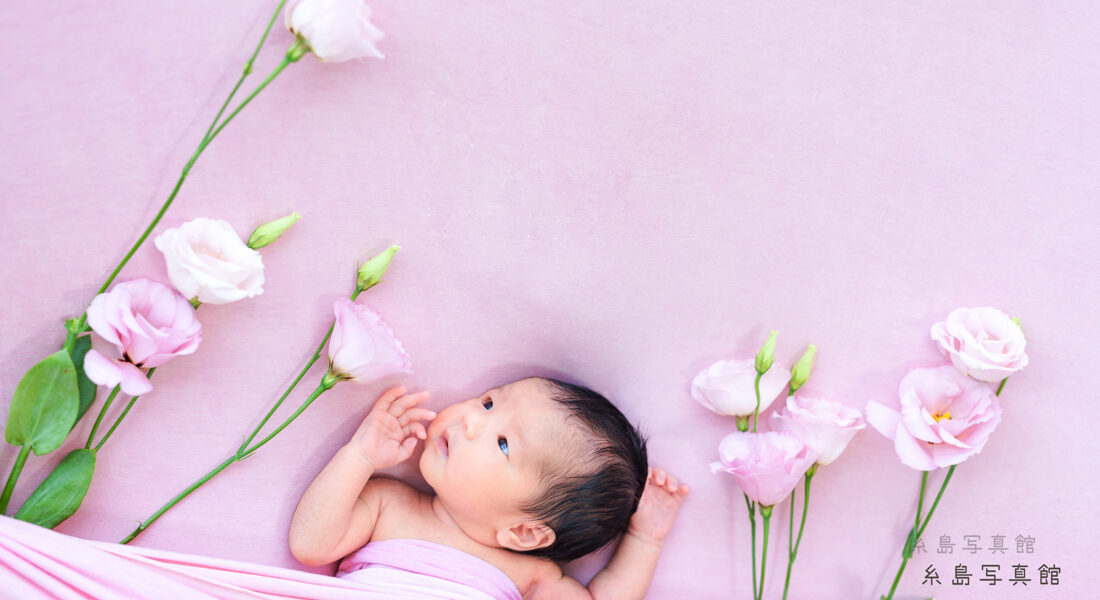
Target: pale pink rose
{"x":727,"y":387}
{"x":363,"y":347}
{"x":149,"y":323}
{"x":984,"y":343}
{"x":206,"y":259}
{"x":825,"y":426}
{"x":945,"y":418}
{"x":335,"y":30}
{"x":767,"y":466}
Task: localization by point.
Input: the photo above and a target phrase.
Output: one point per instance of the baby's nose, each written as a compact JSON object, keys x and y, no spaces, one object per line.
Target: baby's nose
{"x":472,"y":422}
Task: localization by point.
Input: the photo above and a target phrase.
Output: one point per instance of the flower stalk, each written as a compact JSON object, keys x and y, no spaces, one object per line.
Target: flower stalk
{"x":752,"y":527}
{"x":792,"y":544}
{"x":765,"y":515}
{"x":241,"y":454}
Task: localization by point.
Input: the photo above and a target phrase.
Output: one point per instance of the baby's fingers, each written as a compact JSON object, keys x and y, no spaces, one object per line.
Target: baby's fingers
{"x":415,"y":414}
{"x":404,"y":403}
{"x":415,"y":430}
{"x":386,"y":399}
{"x":668,"y":482}
{"x":406,"y":449}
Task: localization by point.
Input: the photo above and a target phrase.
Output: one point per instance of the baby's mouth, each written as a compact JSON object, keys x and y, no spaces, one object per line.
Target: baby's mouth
{"x":444,"y":444}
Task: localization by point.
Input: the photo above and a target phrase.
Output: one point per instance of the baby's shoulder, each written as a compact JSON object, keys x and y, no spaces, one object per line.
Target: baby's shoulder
{"x":400,"y":505}
{"x":393,"y":494}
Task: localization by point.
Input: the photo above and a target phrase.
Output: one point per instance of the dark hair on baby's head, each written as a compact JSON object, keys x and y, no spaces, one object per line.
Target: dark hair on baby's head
{"x":587,"y":510}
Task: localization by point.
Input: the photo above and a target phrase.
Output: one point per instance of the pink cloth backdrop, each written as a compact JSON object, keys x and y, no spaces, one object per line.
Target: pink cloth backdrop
{"x":618,"y":193}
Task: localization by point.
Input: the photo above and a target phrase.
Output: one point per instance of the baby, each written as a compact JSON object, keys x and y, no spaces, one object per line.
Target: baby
{"x":526,"y":476}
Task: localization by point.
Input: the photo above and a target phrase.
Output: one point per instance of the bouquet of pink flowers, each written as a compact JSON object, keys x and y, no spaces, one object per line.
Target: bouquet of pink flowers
{"x":768,"y":465}
{"x":945,"y":415}
{"x":149,"y":322}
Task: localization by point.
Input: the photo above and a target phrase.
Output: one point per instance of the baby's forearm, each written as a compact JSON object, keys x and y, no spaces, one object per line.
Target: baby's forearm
{"x":628,"y":575}
{"x":324,"y":514}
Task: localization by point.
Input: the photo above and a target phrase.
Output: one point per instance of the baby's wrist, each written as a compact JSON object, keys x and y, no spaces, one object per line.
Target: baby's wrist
{"x":645,"y":538}
{"x":360,"y":456}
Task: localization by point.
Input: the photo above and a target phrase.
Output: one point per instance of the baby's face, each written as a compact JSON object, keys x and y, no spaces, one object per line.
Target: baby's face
{"x":483,"y":455}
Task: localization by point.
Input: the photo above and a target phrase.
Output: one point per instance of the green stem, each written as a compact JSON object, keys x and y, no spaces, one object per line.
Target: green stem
{"x":247,"y":68}
{"x":325,"y":385}
{"x":766,"y":515}
{"x":935,"y":503}
{"x":287,"y":59}
{"x":211,"y":133}
{"x":316,"y":356}
{"x":102,"y":413}
{"x":125,"y":411}
{"x":301,"y":374}
{"x":16,"y":469}
{"x":752,"y":527}
{"x":793,"y":550}
{"x":918,"y":527}
{"x":756,"y":413}
{"x":180,"y":496}
{"x":912,"y":541}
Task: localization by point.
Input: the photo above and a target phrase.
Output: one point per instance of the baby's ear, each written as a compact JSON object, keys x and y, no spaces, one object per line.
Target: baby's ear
{"x":525,"y":536}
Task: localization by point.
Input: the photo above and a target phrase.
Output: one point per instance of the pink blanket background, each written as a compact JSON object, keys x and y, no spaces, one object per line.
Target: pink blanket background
{"x":618,"y":193}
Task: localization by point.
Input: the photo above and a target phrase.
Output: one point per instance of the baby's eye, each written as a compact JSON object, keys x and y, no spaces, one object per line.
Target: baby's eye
{"x":503,"y":443}
{"x":488,"y":404}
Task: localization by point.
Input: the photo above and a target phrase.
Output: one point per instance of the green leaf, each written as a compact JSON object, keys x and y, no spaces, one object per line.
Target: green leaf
{"x":60,"y":494}
{"x":86,"y":386}
{"x":44,"y":407}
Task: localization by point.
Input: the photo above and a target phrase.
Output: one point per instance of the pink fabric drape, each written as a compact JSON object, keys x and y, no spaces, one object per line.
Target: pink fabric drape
{"x":38,"y":563}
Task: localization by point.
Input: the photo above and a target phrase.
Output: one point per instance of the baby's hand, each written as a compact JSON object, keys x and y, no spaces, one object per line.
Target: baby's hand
{"x":658,"y":506}
{"x":389,"y":433}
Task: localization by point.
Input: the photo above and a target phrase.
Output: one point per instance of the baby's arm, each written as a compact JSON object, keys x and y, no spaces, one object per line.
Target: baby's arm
{"x":628,"y":574}
{"x":337,"y":513}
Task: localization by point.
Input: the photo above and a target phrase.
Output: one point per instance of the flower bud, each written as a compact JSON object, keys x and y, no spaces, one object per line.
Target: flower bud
{"x":800,"y":372}
{"x":269,"y":232}
{"x":766,"y":355}
{"x":372,"y":271}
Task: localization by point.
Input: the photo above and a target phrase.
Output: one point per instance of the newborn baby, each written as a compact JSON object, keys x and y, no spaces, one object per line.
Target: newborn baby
{"x":526,"y":476}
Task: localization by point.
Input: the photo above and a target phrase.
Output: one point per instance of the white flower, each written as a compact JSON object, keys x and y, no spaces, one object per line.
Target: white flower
{"x":336,"y":30}
{"x":207,"y":260}
{"x":983,"y":343}
{"x":728,"y":387}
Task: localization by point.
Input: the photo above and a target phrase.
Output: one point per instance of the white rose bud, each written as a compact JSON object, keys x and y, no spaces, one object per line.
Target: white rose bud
{"x":335,"y":30}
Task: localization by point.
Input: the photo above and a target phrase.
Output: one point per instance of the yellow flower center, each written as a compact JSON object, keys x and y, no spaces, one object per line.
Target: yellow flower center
{"x":944,"y":415}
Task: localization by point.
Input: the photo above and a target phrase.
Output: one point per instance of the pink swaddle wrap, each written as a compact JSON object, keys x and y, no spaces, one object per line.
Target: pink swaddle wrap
{"x":451,"y":574}
{"x":36,"y":563}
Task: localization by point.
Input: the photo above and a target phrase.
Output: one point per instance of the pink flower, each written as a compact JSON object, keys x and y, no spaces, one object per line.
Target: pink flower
{"x":825,"y":426}
{"x":727,"y":387}
{"x":945,"y":418}
{"x":363,"y":347}
{"x":206,"y":259}
{"x":149,"y":323}
{"x":335,"y":30}
{"x":767,"y":466}
{"x":984,"y":343}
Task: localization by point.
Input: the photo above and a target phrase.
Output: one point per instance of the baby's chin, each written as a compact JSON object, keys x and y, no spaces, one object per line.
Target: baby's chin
{"x":425,"y":471}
